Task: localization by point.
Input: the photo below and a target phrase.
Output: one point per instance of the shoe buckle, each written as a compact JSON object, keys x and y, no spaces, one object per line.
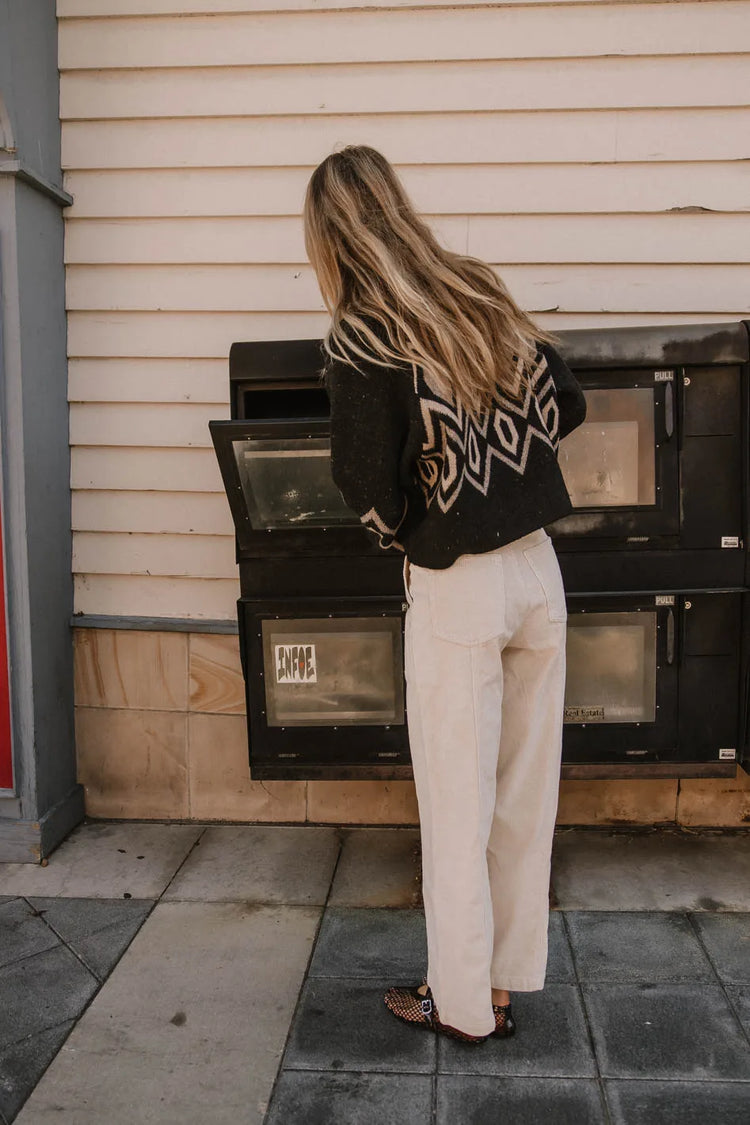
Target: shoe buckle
{"x":426,"y":1006}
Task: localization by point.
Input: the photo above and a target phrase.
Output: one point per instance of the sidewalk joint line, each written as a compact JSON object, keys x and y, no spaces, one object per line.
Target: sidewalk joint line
{"x":745,"y":1034}
{"x":339,"y":835}
{"x":587,"y":1019}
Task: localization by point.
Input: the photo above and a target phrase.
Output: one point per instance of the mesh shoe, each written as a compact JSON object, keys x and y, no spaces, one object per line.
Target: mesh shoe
{"x":416,"y":1006}
{"x":505,"y":1025}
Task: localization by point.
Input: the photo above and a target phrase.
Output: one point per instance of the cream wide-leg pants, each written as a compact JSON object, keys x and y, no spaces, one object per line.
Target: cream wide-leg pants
{"x":485,"y":681}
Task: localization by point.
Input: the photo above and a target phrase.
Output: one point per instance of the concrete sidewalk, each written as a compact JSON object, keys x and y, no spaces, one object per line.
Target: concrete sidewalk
{"x":209,"y":974}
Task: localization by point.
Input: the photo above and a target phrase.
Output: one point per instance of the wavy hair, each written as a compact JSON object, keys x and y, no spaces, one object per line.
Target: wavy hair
{"x":396,"y":296}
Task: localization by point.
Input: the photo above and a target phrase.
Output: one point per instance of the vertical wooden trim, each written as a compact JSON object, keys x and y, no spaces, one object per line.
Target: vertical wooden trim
{"x":6,"y":743}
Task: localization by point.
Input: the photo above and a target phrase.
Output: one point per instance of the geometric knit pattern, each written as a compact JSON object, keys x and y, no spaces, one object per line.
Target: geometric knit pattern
{"x":460,"y":450}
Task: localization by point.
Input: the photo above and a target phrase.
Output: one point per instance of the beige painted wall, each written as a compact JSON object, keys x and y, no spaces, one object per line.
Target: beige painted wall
{"x":595,"y":152}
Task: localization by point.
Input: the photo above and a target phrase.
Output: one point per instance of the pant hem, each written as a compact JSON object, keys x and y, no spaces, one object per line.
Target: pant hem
{"x":520,"y":984}
{"x":460,"y":1026}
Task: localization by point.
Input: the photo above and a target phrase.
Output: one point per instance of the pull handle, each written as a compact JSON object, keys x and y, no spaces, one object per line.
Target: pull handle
{"x":685,"y":606}
{"x":243,"y":650}
{"x":670,"y":637}
{"x":668,"y":410}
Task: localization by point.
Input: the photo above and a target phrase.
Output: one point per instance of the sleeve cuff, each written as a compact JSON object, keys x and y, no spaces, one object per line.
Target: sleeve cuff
{"x":386,"y":534}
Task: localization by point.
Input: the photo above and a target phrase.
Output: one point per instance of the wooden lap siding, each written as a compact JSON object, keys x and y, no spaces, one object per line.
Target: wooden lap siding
{"x":595,"y":152}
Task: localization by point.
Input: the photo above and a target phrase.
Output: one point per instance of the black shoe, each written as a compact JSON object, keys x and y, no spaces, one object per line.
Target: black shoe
{"x":416,"y":1006}
{"x":505,"y":1025}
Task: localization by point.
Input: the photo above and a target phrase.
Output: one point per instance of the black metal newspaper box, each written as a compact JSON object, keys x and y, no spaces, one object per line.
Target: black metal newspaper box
{"x":330,"y":693}
{"x":657,"y":472}
{"x":654,"y":559}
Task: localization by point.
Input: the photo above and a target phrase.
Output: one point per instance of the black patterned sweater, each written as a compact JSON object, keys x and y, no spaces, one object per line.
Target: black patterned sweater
{"x":432,"y":482}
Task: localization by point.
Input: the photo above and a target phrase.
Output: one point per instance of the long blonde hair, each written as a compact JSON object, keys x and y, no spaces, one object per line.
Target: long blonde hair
{"x":379,"y":265}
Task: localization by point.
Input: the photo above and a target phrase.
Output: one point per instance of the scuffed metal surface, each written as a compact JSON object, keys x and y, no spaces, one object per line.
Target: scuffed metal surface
{"x":658,"y":345}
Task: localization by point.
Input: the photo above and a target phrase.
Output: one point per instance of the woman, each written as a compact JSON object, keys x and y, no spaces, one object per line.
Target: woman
{"x":447,"y":407}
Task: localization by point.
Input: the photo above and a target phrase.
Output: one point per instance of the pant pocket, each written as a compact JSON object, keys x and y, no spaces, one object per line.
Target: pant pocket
{"x":467,"y":600}
{"x":544,"y":565}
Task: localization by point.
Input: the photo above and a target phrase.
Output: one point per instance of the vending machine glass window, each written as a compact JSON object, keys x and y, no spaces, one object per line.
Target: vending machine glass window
{"x":609,"y":460}
{"x":287,"y":482}
{"x":622,"y":679}
{"x":611,"y":668}
{"x":621,"y":465}
{"x":333,"y":671}
{"x":328,"y":696}
{"x":283,"y":498}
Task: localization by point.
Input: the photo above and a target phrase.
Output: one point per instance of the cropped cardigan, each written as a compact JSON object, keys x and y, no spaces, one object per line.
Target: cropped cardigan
{"x":432,"y":481}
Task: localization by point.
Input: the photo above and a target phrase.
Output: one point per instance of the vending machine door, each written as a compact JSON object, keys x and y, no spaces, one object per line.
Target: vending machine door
{"x":621,"y":680}
{"x":654,"y":680}
{"x":744,"y":731}
{"x":283,"y":499}
{"x":621,"y":465}
{"x":325,"y":687}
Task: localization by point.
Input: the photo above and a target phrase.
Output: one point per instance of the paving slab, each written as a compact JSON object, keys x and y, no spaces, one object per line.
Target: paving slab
{"x":559,"y":960}
{"x":365,"y":942}
{"x":42,"y":991}
{"x":259,"y":864}
{"x":343,"y":1024}
{"x":98,"y":930}
{"x":106,"y":860}
{"x":191,"y":1024}
{"x":306,"y":1098}
{"x":639,"y":947}
{"x":362,"y":942}
{"x":378,"y":867}
{"x":739,"y":996}
{"x":551,"y":1040}
{"x":666,"y":1031}
{"x":22,"y":932}
{"x":727,"y":939}
{"x":22,"y":1065}
{"x":594,"y":870}
{"x":518,"y":1101}
{"x":678,"y":1103}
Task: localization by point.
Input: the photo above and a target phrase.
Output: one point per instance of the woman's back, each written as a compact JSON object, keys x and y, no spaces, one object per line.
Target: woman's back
{"x":438,"y":480}
{"x":447,"y":407}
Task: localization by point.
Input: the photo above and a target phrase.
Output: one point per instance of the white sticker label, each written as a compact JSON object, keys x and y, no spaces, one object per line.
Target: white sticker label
{"x":663,"y":376}
{"x":296,"y":664}
{"x":730,"y":540}
{"x":727,"y":755}
{"x":664,"y":599}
